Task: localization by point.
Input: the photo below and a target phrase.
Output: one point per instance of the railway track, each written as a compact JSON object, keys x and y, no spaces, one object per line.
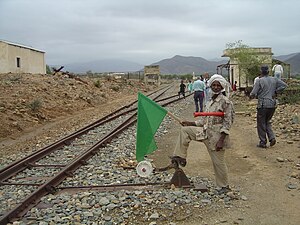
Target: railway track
{"x":58,"y":163}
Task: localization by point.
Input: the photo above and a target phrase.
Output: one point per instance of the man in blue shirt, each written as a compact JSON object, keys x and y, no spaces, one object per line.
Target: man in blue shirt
{"x":199,"y":88}
{"x":266,"y":89}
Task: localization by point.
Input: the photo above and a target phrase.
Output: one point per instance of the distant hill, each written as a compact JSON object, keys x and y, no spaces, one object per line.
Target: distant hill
{"x":187,"y":65}
{"x":285,"y":57}
{"x":175,"y":65}
{"x":294,"y":61}
{"x":107,"y":65}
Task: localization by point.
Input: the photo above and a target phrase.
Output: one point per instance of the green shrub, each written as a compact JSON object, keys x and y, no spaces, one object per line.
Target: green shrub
{"x":14,"y":79}
{"x":48,"y":69}
{"x":35,"y":105}
{"x":97,"y":84}
{"x":290,"y":96}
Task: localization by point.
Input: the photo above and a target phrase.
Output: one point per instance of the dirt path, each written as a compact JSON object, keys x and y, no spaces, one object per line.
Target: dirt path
{"x":270,"y":194}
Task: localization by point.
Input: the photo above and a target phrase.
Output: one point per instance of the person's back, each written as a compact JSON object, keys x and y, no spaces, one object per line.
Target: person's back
{"x":266,"y":88}
{"x":182,"y":87}
{"x":198,"y":85}
{"x":277,"y":70}
{"x":199,"y":88}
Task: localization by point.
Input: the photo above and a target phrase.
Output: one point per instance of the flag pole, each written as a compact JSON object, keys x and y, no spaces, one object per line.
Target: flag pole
{"x":174,"y":117}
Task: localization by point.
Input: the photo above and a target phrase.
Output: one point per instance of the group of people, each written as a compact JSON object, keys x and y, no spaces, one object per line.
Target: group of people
{"x":214,"y":131}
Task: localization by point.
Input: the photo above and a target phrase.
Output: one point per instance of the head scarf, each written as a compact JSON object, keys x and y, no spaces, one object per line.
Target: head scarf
{"x":216,"y":77}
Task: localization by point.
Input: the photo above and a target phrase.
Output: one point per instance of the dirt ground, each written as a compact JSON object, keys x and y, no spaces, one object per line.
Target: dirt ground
{"x":35,"y":110}
{"x":268,"y":180}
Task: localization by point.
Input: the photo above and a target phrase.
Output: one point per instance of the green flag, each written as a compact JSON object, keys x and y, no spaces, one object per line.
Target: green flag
{"x":150,"y":116}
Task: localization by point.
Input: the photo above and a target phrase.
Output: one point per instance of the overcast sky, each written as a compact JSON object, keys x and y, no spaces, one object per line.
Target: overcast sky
{"x":147,"y":31}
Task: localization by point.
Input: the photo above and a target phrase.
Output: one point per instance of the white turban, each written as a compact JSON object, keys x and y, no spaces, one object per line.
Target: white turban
{"x":224,"y":83}
{"x":217,"y":77}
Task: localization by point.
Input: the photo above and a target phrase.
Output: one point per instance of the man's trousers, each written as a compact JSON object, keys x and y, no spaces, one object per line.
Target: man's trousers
{"x":187,"y":134}
{"x":264,"y":127}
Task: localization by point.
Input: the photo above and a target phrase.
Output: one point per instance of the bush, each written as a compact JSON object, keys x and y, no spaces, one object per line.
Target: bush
{"x":35,"y":105}
{"x":48,"y":69}
{"x":290,"y":96}
{"x":97,"y":84}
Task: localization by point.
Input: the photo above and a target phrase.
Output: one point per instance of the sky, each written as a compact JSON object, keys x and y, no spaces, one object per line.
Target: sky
{"x":147,"y":31}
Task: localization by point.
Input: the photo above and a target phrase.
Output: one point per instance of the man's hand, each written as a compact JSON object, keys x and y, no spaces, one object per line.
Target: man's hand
{"x":251,"y":97}
{"x":187,"y":123}
{"x":220,"y":143}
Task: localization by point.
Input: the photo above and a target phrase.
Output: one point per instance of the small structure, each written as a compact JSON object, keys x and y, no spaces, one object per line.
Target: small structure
{"x":152,"y":74}
{"x":235,"y":73}
{"x":117,"y":75}
{"x":17,"y":58}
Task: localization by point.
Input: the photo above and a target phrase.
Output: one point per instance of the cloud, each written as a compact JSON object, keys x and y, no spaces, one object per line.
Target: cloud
{"x":148,"y":31}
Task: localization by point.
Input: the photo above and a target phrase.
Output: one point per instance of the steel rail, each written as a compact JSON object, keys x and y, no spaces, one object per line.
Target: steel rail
{"x":115,"y":187}
{"x":50,"y":185}
{"x":29,"y":160}
{"x":71,"y":136}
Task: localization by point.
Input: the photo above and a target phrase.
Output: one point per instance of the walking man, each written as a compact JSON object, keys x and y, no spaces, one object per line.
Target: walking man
{"x":182,"y":87}
{"x":278,"y":71}
{"x":199,"y":87}
{"x":265,"y":89}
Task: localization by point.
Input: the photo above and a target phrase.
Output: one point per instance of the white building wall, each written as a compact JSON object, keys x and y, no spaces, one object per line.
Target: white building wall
{"x":3,"y":57}
{"x":31,"y":60}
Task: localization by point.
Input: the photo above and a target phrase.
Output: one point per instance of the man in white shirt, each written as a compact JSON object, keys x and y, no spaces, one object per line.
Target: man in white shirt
{"x":278,"y":71}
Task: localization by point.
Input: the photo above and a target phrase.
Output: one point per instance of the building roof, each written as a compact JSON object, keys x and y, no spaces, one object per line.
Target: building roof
{"x":21,"y":46}
{"x":256,"y":51}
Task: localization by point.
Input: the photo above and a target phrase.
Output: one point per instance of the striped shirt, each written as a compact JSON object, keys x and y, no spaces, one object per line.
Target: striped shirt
{"x":265,"y":90}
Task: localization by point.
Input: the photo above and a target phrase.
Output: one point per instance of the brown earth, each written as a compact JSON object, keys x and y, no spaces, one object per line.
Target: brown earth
{"x":268,"y":180}
{"x":39,"y":109}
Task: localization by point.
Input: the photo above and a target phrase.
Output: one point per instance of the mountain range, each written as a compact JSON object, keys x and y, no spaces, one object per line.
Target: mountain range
{"x":294,"y":61}
{"x":175,"y":65}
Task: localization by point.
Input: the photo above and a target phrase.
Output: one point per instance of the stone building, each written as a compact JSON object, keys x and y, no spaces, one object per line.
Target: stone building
{"x":152,"y":74}
{"x":17,"y":58}
{"x":234,"y":72}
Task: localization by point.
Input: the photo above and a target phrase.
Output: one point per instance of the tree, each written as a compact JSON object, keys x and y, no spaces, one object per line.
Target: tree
{"x":248,"y":59}
{"x":48,"y":69}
